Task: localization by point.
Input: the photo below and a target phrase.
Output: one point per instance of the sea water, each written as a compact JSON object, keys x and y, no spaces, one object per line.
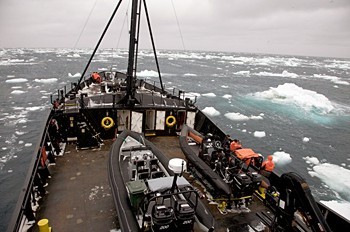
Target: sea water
{"x":294,"y":108}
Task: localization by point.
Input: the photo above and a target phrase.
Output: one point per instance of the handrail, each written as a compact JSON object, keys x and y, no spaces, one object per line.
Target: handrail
{"x":24,"y":196}
{"x":181,"y":94}
{"x":174,"y":92}
{"x":63,"y":92}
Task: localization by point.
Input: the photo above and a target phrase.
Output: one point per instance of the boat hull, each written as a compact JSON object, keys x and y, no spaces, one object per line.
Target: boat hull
{"x":117,"y":179}
{"x":210,"y":176}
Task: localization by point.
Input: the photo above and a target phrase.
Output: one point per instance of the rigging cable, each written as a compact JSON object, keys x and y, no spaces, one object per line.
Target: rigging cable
{"x":182,"y":39}
{"x":120,"y":34}
{"x":123,"y":26}
{"x":178,"y":25}
{"x":83,"y":29}
{"x":153,"y":45}
{"x":98,"y":44}
{"x":78,"y":39}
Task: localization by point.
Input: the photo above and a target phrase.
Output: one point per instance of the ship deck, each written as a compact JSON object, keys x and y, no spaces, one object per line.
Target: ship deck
{"x":80,"y":198}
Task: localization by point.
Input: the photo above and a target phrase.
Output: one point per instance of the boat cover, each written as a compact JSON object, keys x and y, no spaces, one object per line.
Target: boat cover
{"x":246,"y":153}
{"x":164,"y":183}
{"x":129,"y":142}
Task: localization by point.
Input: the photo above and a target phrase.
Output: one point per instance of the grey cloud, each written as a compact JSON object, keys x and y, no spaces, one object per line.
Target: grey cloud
{"x":313,"y":27}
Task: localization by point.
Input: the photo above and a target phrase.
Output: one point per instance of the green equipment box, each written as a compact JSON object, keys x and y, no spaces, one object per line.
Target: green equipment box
{"x":136,"y":192}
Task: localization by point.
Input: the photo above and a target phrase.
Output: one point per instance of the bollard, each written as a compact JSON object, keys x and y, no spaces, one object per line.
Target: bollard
{"x":44,"y":225}
{"x":222,"y":207}
{"x":262,"y":192}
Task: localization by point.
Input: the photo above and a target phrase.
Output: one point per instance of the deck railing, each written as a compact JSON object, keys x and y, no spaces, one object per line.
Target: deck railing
{"x":69,"y":99}
{"x":23,"y":206}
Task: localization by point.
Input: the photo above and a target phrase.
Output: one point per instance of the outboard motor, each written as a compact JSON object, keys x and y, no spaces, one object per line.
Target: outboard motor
{"x":184,"y":214}
{"x":206,"y":148}
{"x":241,"y":185}
{"x":256,"y":180}
{"x":162,"y":218}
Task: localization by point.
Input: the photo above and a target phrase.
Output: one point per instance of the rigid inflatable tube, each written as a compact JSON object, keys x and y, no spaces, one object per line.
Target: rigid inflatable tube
{"x":126,"y":219}
{"x":201,"y":166}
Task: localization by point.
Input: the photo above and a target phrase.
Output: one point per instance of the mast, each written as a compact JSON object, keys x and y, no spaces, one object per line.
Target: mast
{"x":130,"y":90}
{"x":133,"y":48}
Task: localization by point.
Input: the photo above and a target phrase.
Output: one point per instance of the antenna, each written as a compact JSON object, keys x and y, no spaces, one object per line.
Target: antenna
{"x":178,"y":166}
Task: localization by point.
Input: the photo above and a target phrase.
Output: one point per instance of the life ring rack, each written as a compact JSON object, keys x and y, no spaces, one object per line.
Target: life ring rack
{"x":170,"y":121}
{"x":217,"y":143}
{"x":107,"y":123}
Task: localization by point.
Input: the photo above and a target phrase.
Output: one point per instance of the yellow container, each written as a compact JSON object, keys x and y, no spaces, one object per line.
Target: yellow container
{"x":44,"y":225}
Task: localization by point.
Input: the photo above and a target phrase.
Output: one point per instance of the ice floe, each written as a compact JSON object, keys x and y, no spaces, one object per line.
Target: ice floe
{"x":211,"y":111}
{"x":35,"y":108}
{"x":209,"y":95}
{"x":16,"y":80}
{"x":20,"y":132}
{"x":191,"y":95}
{"x":281,"y":158}
{"x":259,"y":134}
{"x":334,"y":176}
{"x":147,"y":73}
{"x":290,"y":93}
{"x":242,"y":73}
{"x":341,"y":207}
{"x":45,"y":81}
{"x":241,"y":117}
{"x":75,"y":75}
{"x":17,"y":92}
{"x":333,"y":79}
{"x":283,"y":74}
{"x":227,"y":96}
{"x":190,"y":75}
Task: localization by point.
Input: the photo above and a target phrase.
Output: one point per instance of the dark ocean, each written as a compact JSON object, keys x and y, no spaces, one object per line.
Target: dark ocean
{"x":295,"y":108}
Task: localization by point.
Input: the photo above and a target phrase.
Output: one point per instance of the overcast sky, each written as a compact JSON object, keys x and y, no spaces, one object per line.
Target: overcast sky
{"x":294,"y":27}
